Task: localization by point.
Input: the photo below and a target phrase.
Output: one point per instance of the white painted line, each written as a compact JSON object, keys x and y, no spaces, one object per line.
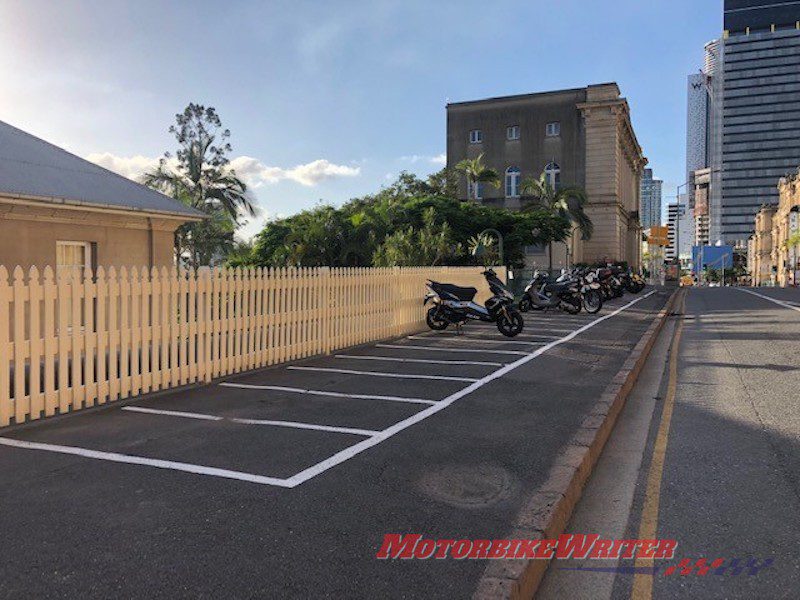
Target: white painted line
{"x":352,"y":451}
{"x":775,"y":300}
{"x":378,"y":374}
{"x":440,"y":349}
{"x":421,"y":360}
{"x":172,"y":413}
{"x":296,"y":425}
{"x":292,"y":424}
{"x":276,"y":388}
{"x":472,"y":340}
{"x":149,"y":462}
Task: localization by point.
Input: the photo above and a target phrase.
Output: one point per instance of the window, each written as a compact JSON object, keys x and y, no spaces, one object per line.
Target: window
{"x":512,"y":182}
{"x":73,"y":258}
{"x":475,"y":136}
{"x":553,"y":129}
{"x":512,"y":132}
{"x":475,"y":190}
{"x":553,"y":174}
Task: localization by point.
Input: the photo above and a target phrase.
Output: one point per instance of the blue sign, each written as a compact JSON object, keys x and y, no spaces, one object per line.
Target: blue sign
{"x":712,"y":257}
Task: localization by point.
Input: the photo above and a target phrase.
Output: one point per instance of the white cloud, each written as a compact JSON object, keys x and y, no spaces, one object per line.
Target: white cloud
{"x":439,"y":159}
{"x":127,"y":166}
{"x":310,"y":174}
{"x":254,"y":172}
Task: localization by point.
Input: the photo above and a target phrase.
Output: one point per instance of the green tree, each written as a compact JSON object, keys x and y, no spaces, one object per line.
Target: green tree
{"x":568,"y":203}
{"x":476,"y":173}
{"x":200,"y":176}
{"x":429,"y":246}
{"x":351,"y":235}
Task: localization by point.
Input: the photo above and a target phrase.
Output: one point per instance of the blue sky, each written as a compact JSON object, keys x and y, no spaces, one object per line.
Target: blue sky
{"x":328,"y":100}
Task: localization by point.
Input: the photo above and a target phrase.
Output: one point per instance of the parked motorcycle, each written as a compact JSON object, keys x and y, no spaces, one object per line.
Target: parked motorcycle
{"x":542,"y":293}
{"x":610,"y":285}
{"x":454,"y":305}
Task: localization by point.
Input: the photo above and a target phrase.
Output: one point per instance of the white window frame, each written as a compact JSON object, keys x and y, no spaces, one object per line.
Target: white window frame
{"x":552,"y":172}
{"x":512,"y":132}
{"x":475,"y":136}
{"x":512,"y":181}
{"x":553,"y":129}
{"x":87,"y":246}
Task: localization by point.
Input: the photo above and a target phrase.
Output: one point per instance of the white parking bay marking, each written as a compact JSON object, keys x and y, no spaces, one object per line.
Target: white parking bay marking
{"x":149,"y":462}
{"x":378,"y":374}
{"x":472,"y":340}
{"x":356,"y":449}
{"x":275,"y":423}
{"x":172,"y":413}
{"x":440,"y":349}
{"x":296,"y":425}
{"x":420,"y":360}
{"x":291,"y":390}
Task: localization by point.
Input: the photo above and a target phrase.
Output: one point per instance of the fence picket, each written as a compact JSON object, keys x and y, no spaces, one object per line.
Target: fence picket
{"x":74,"y":340}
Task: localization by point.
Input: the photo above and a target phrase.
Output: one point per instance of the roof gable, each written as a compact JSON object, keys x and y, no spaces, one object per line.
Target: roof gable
{"x":31,"y":167}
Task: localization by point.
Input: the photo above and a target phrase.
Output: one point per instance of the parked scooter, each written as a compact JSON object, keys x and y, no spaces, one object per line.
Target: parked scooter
{"x":453,"y":305}
{"x":542,"y":293}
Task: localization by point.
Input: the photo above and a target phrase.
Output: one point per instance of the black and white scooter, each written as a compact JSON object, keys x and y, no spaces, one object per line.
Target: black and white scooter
{"x":454,"y":305}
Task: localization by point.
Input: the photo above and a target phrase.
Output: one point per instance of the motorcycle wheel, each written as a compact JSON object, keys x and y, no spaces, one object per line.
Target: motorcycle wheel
{"x":633,"y":287}
{"x":592,"y":301}
{"x":434,"y":321}
{"x":571,"y":306}
{"x":525,"y":304}
{"x":510,"y":325}
{"x":618,"y":292}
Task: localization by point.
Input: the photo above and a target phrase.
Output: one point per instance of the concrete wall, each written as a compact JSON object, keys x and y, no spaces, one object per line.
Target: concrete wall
{"x":28,"y":236}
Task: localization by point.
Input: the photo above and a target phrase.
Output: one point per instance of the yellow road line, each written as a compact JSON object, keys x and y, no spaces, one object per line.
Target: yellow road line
{"x":643,"y":583}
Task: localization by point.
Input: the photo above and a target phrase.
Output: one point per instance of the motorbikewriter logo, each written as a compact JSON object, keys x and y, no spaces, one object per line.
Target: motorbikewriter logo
{"x":577,"y":546}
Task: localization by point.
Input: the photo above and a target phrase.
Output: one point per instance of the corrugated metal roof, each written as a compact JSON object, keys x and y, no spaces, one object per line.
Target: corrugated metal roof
{"x":32,"y":167}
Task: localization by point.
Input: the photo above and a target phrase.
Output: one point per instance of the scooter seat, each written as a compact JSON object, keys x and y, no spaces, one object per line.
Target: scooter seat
{"x":462,"y":293}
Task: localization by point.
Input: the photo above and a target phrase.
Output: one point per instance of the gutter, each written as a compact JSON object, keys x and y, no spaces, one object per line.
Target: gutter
{"x":71,"y":204}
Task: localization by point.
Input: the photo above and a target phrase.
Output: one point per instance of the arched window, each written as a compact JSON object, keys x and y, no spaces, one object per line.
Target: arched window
{"x":553,"y":174}
{"x":512,"y":182}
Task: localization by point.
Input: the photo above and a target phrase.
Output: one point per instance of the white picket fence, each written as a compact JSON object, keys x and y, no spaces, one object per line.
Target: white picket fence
{"x":68,"y":343}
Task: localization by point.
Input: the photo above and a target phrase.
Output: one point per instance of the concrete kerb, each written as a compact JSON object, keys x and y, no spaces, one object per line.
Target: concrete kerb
{"x":548,"y":511}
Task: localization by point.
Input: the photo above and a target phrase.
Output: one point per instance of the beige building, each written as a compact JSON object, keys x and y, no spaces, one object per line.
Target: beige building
{"x":785,"y":229}
{"x":759,"y":253}
{"x":580,"y":137}
{"x":774,"y":248}
{"x":60,"y":210}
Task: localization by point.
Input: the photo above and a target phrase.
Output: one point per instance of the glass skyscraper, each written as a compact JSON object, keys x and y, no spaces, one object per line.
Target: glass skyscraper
{"x":650,"y":211}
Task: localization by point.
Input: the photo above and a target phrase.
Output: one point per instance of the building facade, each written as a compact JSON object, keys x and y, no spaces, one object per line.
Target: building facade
{"x":62,"y":211}
{"x":680,"y":231}
{"x":580,"y":137}
{"x":651,"y":192}
{"x":704,"y":144}
{"x":759,"y":252}
{"x":761,"y":101}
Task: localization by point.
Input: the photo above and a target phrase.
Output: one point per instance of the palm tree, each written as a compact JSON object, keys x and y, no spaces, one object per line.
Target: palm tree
{"x":200,"y":177}
{"x":567,"y":202}
{"x":477,"y":172}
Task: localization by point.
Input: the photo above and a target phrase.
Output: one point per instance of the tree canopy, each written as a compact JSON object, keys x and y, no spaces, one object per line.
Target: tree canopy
{"x":412,"y":221}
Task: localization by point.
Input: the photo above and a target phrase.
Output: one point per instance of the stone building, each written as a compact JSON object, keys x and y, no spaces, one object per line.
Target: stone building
{"x":760,"y":249}
{"x":785,"y":229}
{"x":581,"y":137}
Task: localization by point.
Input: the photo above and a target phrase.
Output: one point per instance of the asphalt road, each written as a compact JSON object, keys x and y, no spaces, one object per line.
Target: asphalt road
{"x":257,"y":489}
{"x":730,"y":485}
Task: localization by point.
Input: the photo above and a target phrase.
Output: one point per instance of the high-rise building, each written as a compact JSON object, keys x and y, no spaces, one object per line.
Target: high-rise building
{"x":650,"y":211}
{"x":761,"y":104}
{"x":680,"y":230}
{"x":581,"y":137}
{"x":704,"y":144}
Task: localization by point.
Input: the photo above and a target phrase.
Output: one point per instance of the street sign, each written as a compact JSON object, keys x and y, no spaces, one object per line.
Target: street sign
{"x":658,"y":236}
